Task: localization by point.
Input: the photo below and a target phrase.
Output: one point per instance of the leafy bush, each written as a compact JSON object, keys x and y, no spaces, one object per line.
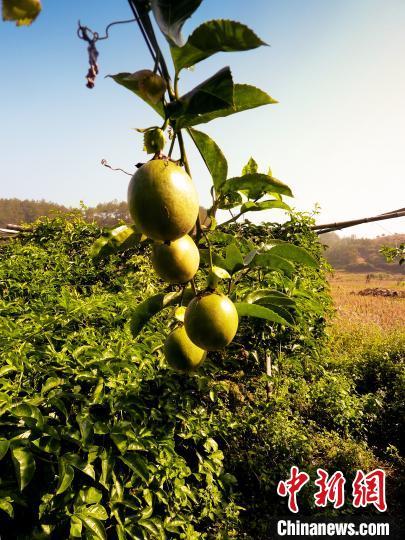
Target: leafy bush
{"x":98,"y":436}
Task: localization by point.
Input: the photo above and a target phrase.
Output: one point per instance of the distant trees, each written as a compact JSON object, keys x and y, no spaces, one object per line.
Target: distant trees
{"x":18,"y":211}
{"x":360,"y":254}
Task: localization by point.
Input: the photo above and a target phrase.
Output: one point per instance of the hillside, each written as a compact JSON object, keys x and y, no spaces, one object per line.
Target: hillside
{"x":348,"y":253}
{"x":26,"y":211}
{"x":360,"y":254}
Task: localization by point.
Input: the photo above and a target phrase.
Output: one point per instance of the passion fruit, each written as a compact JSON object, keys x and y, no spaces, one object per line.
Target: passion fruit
{"x":211,"y":321}
{"x":162,"y":200}
{"x":176,"y":261}
{"x":181,"y":353}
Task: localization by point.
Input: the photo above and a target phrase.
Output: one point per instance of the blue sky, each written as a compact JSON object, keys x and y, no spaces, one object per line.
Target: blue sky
{"x":336,"y":137}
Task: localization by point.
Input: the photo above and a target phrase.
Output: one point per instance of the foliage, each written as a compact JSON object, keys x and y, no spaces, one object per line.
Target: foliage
{"x":392,"y":253}
{"x":118,"y":438}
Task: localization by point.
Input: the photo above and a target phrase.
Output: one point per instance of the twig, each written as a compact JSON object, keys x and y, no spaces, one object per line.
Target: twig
{"x":104,"y":162}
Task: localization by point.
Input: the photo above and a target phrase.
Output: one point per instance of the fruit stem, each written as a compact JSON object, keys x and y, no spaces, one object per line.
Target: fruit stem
{"x":172,"y":144}
{"x":193,"y":286}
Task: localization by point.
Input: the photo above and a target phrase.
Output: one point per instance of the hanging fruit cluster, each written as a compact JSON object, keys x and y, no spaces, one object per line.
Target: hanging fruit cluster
{"x":163,"y":203}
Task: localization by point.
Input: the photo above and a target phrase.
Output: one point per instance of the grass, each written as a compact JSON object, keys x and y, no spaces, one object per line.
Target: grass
{"x":374,"y":312}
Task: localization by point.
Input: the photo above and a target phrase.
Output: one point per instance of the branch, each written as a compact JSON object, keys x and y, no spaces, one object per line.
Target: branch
{"x":330,"y":227}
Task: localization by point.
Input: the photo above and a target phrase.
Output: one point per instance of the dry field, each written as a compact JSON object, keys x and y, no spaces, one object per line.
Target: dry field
{"x":352,"y":309}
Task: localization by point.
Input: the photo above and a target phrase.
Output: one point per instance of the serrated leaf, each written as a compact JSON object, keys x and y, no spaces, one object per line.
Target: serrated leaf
{"x":212,"y":155}
{"x":251,"y":167}
{"x":22,"y":12}
{"x":254,"y":310}
{"x":212,"y":37}
{"x":245,"y":97}
{"x":4,"y":446}
{"x":171,"y":15}
{"x":24,"y":465}
{"x":136,"y":83}
{"x":211,"y":95}
{"x":256,"y":185}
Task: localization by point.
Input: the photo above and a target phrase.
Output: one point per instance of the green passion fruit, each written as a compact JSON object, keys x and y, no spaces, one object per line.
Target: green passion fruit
{"x":162,"y":200}
{"x":211,"y":321}
{"x":180,"y":352}
{"x":176,"y":261}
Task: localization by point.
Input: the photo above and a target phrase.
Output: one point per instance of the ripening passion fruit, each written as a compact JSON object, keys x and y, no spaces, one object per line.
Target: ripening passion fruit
{"x":176,"y":261}
{"x":162,"y":200}
{"x":181,"y":353}
{"x":211,"y":321}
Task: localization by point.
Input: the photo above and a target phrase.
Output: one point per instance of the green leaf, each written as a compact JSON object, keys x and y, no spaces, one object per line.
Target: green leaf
{"x":139,"y":83}
{"x":22,"y":12}
{"x":118,"y":239}
{"x":211,"y":95}
{"x":212,"y":37}
{"x":50,"y":383}
{"x":4,"y":446}
{"x":32,"y":415}
{"x":179,"y":313}
{"x":90,"y":495}
{"x":293,"y":253}
{"x":233,"y":259}
{"x":137,"y":464}
{"x":94,"y":525}
{"x":251,"y":206}
{"x":212,"y":155}
{"x":24,"y":465}
{"x":245,"y":97}
{"x":262,"y":295}
{"x":251,"y":167}
{"x":96,"y":511}
{"x":80,"y":464}
{"x":220,"y":273}
{"x":272,"y":262}
{"x":151,"y":306}
{"x":171,"y":15}
{"x":230,"y":200}
{"x":6,"y":506}
{"x":256,"y":185}
{"x":75,"y":527}
{"x":66,"y":475}
{"x":253,"y":310}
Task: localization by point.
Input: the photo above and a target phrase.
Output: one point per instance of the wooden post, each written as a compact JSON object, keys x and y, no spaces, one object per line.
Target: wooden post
{"x":268,"y":373}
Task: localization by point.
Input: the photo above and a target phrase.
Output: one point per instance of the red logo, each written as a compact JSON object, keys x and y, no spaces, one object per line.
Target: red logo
{"x":370,"y":489}
{"x":366,"y":489}
{"x":292,"y":486}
